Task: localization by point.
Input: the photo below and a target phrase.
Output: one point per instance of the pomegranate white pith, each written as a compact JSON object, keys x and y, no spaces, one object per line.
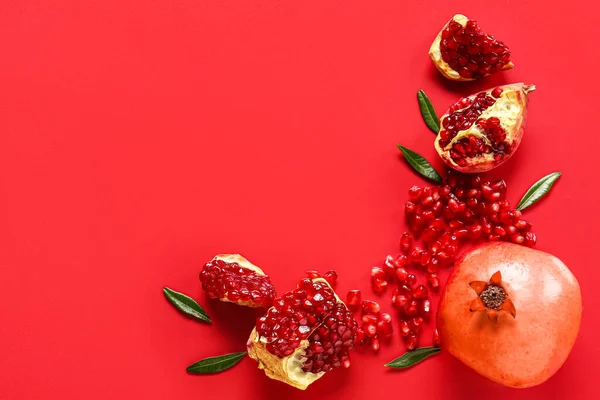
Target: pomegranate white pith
{"x":474,"y":55}
{"x":482,"y":131}
{"x":306,"y":333}
{"x":232,"y":278}
{"x":518,"y":347}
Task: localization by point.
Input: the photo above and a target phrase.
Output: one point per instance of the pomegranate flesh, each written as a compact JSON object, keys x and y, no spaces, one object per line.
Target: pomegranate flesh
{"x":482,"y":131}
{"x":232,"y":278}
{"x":307,"y":332}
{"x":510,"y":312}
{"x":463,"y":52}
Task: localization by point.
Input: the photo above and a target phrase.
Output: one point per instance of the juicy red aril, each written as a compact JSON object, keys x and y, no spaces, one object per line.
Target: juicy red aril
{"x":412,"y":309}
{"x":425,"y":308}
{"x":330,"y":343}
{"x":353,"y":300}
{"x":404,"y":328}
{"x":411,"y":341}
{"x":375,"y":343}
{"x":415,"y":324}
{"x":436,"y":338}
{"x":400,"y":300}
{"x":331,"y":277}
{"x":530,"y":239}
{"x":411,"y":279}
{"x":379,"y":285}
{"x":313,"y":274}
{"x":369,"y":319}
{"x":378,"y":273}
{"x":370,"y":307}
{"x":433,"y":281}
{"x":401,"y":274}
{"x":223,"y":280}
{"x":384,"y":325}
{"x":370,"y":330}
{"x":420,"y":292}
{"x":406,"y":242}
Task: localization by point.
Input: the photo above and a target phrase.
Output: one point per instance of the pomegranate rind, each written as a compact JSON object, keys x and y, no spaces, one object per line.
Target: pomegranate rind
{"x":287,"y":369}
{"x":511,"y":109}
{"x":517,"y":352}
{"x":243,"y":263}
{"x":436,"y":55}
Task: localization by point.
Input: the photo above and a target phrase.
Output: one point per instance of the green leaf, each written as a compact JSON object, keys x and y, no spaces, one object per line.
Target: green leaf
{"x":414,"y":357}
{"x":186,"y":304}
{"x":216,"y":364}
{"x":538,"y":190}
{"x":428,"y":112}
{"x":420,"y":164}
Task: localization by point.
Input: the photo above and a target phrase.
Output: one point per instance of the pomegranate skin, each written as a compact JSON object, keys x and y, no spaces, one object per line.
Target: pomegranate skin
{"x":520,"y":352}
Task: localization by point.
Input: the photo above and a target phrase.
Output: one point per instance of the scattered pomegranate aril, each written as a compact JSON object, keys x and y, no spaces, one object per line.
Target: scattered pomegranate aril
{"x":313,"y":274}
{"x":375,"y":343}
{"x":370,"y":307}
{"x":401,"y":274}
{"x":379,"y":285}
{"x":411,"y":279}
{"x":331,"y":277}
{"x":400,"y":301}
{"x":369,"y":319}
{"x":406,"y":242}
{"x":232,"y":278}
{"x":420,"y":292}
{"x":353,"y":300}
{"x":411,"y":341}
{"x":433,"y":281}
{"x":425,"y":308}
{"x":412,"y":309}
{"x":378,"y":273}
{"x":384,"y":325}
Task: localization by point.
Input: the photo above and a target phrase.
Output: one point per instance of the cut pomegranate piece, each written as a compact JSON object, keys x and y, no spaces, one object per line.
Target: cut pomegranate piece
{"x":463,"y":52}
{"x":308,"y":332}
{"x":232,"y":278}
{"x":480,"y":132}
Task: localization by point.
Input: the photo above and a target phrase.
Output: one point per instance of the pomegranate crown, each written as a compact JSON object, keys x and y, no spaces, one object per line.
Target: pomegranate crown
{"x":492,"y":298}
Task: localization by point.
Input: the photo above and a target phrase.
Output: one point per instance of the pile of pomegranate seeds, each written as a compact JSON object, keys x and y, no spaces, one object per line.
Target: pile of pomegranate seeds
{"x":295,"y":315}
{"x":331,"y":342}
{"x":375,"y":324}
{"x":470,"y":52}
{"x":222,"y":280}
{"x":444,"y":217}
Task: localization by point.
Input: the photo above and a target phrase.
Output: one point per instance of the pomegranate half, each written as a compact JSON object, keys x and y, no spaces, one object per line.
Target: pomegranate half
{"x":232,"y":278}
{"x":463,"y":52}
{"x":482,"y":131}
{"x":511,"y":313}
{"x":308,"y":332}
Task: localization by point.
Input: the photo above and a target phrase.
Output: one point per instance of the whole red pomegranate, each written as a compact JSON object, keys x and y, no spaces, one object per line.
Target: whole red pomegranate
{"x":307,"y":332}
{"x":510,"y":312}
{"x":232,"y":278}
{"x":463,"y":52}
{"x":482,"y":131}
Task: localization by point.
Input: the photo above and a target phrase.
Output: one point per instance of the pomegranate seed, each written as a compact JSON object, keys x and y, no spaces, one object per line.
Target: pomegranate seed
{"x":331,"y":277}
{"x":425,"y":308}
{"x":389,"y":266}
{"x":404,"y":328}
{"x":497,"y":92}
{"x":353,"y":300}
{"x":379,"y":285}
{"x":313,"y":274}
{"x":375,"y":343}
{"x":516,"y":238}
{"x":436,"y":338}
{"x":406,"y":242}
{"x":378,"y":273}
{"x":412,"y":309}
{"x":411,"y":279}
{"x":384,"y":325}
{"x":411,"y":341}
{"x":420,"y":292}
{"x":370,"y":307}
{"x":360,"y":337}
{"x":400,"y":301}
{"x":401,"y":261}
{"x":530,"y":239}
{"x":415,"y":324}
{"x":401,"y":274}
{"x":433,"y":281}
{"x":369,"y":319}
{"x":370,"y":330}
{"x":414,"y":193}
{"x":415,"y":255}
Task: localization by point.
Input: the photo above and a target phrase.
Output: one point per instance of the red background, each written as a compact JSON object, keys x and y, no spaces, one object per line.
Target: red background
{"x":139,"y":138}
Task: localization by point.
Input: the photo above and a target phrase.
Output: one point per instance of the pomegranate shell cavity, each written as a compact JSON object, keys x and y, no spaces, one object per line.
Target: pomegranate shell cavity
{"x":482,"y":131}
{"x":463,"y":52}
{"x":307,"y":332}
{"x":232,"y":278}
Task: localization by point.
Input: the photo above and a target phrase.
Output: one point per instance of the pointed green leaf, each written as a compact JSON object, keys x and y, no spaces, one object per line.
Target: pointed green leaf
{"x":414,"y":357}
{"x":186,"y":304}
{"x":420,"y":164}
{"x":216,"y":364}
{"x":538,"y":190}
{"x":428,"y":112}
